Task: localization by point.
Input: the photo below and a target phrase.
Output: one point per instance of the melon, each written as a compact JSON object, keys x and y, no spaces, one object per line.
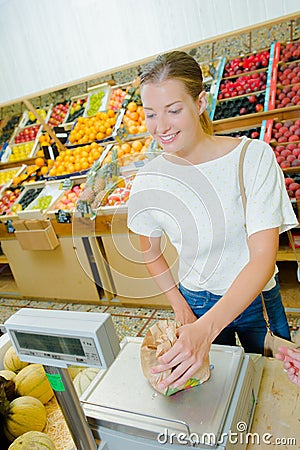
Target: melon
{"x":24,"y":414}
{"x":83,"y":379}
{"x":7,"y":374}
{"x":74,"y":370}
{"x":32,"y":380}
{"x":33,"y":440}
{"x":12,"y":362}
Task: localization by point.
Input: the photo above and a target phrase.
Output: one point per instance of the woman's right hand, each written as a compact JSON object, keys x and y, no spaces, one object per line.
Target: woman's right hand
{"x":183,"y":313}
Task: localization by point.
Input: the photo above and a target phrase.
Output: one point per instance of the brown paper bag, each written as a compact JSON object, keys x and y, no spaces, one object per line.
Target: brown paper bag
{"x":272,"y":342}
{"x":158,"y":340}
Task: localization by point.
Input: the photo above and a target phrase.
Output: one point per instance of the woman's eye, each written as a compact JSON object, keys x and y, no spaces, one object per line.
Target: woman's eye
{"x":175,"y":111}
{"x":149,"y":116}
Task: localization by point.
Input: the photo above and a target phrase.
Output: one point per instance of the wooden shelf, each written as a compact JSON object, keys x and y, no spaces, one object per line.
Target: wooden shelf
{"x":285,"y":254}
{"x":3,"y":259}
{"x":249,"y":120}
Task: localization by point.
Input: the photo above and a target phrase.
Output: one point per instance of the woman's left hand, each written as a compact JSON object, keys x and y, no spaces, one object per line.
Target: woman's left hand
{"x":187,"y":355}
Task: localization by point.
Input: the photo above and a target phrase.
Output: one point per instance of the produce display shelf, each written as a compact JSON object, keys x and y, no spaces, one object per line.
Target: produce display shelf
{"x":53,"y":189}
{"x":103,"y":104}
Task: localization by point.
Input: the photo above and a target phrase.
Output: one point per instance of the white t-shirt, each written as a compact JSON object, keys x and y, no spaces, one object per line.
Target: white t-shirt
{"x":199,"y":207}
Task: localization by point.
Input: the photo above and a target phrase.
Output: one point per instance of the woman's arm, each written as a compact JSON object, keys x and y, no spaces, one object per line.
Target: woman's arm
{"x":194,"y":340}
{"x":161,"y":273}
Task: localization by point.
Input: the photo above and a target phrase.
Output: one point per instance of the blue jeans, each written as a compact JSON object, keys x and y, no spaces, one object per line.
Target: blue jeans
{"x":249,"y":325}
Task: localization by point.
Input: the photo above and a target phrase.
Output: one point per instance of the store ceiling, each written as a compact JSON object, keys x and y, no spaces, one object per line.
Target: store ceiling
{"x":46,"y":44}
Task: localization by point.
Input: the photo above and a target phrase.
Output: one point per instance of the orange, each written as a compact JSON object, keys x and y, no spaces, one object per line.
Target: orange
{"x":95,"y":155}
{"x":77,"y":166}
{"x":50,"y":162}
{"x":44,"y":170}
{"x":40,"y":162}
{"x":133,"y":115}
{"x":84,"y":165}
{"x":100,"y":136}
{"x":142,"y":129}
{"x":132,"y":106}
{"x":137,"y":146}
{"x":132,"y":129}
{"x":125,"y":148}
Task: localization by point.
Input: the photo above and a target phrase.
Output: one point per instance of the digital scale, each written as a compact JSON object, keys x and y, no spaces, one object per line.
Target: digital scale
{"x":120,"y":409}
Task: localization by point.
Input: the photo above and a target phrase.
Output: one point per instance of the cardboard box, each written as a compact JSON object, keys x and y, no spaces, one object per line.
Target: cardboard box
{"x":42,"y":237}
{"x":19,"y":225}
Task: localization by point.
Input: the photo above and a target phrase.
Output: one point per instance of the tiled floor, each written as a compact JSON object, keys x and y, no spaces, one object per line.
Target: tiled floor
{"x":127,"y":321}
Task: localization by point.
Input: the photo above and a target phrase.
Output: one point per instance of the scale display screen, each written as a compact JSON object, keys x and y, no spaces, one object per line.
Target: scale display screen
{"x":62,"y":338}
{"x":50,"y":344}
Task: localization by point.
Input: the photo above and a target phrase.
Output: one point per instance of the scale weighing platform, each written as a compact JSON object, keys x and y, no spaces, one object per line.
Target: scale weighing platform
{"x":120,"y":409}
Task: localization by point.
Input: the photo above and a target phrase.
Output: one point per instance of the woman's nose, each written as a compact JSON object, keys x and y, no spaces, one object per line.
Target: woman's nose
{"x":162,"y":125}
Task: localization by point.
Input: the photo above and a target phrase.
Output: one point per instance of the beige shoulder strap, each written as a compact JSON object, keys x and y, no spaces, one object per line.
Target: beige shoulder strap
{"x":241,"y":176}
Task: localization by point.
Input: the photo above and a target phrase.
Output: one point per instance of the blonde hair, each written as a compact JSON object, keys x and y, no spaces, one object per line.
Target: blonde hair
{"x":180,"y":66}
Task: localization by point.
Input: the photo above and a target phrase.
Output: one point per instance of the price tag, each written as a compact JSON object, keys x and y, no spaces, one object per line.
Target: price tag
{"x":66,"y":184}
{"x":85,"y":209}
{"x":56,"y":382}
{"x":9,"y":226}
{"x":62,"y":216}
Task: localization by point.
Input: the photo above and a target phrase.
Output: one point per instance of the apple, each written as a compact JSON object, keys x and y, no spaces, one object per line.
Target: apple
{"x":259,"y":107}
{"x":290,"y":158}
{"x":285,"y":164}
{"x":296,"y":163}
{"x":288,"y":181}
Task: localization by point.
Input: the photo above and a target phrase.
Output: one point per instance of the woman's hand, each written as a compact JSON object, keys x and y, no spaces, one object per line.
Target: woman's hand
{"x":291,"y":362}
{"x":184,"y":314}
{"x":186,"y":355}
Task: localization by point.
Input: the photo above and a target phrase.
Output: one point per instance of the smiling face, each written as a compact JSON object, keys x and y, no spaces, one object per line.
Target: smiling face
{"x":172,"y":116}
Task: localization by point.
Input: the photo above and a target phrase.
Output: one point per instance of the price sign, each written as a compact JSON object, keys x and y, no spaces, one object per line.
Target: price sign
{"x":66,"y":184}
{"x":62,"y":216}
{"x":85,"y":209}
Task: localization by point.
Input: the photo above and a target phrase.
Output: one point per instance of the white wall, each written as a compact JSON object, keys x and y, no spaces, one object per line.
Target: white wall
{"x":47,"y":43}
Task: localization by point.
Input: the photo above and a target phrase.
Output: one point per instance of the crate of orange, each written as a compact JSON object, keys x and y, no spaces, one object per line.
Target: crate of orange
{"x":77,"y":160}
{"x":134,"y":119}
{"x":98,"y":128}
{"x":131,"y":154}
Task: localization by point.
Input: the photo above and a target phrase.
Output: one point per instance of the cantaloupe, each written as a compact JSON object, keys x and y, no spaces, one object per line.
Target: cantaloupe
{"x":24,"y":414}
{"x":74,"y":370}
{"x":33,"y":440}
{"x":83,"y":379}
{"x":32,"y":380}
{"x":12,"y":362}
{"x":8,"y":374}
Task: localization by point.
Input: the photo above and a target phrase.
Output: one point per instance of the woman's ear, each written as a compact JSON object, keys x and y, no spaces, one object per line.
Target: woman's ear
{"x":202,"y":102}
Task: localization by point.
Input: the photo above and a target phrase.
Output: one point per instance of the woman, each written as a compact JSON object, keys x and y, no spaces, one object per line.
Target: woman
{"x":191,"y":194}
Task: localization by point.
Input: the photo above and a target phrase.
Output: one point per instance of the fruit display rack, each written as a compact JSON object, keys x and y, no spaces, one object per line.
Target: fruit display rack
{"x":77,"y":108}
{"x":28,"y":193}
{"x":7,"y":129}
{"x":285,"y":141}
{"x":7,"y":176}
{"x":285,"y":89}
{"x":118,"y":95}
{"x":98,"y":97}
{"x":243,"y":87}
{"x":37,"y":208}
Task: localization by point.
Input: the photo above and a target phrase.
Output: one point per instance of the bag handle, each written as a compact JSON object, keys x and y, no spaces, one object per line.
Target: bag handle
{"x":244,"y":202}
